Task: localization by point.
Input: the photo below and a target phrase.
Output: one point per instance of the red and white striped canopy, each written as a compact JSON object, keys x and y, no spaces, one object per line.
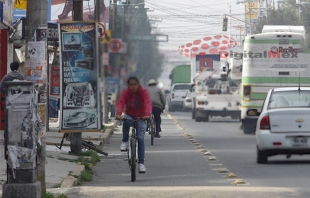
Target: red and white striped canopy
{"x":217,"y":44}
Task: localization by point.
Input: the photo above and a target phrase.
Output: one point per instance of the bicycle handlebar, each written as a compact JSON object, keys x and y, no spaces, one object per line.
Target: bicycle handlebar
{"x":132,"y":119}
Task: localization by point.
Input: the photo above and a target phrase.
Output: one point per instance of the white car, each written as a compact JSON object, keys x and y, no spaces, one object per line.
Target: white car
{"x":283,"y":126}
{"x":188,"y":102}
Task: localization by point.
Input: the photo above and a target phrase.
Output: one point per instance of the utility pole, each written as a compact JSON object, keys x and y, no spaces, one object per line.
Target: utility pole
{"x":229,"y":22}
{"x":250,"y":13}
{"x":113,"y":56}
{"x":37,"y":17}
{"x":114,"y":34}
{"x":76,"y":138}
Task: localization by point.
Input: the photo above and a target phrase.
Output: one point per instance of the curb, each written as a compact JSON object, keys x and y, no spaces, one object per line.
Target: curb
{"x":71,"y":181}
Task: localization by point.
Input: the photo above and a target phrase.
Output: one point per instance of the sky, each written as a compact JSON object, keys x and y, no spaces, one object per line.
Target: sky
{"x":187,"y":20}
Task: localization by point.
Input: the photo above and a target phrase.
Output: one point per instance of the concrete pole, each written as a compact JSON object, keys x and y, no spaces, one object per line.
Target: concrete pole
{"x":229,"y":22}
{"x":76,"y":138}
{"x":114,"y":68}
{"x":250,"y":13}
{"x":36,"y":16}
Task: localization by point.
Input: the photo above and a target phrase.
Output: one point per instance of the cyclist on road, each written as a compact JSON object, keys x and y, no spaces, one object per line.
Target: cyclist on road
{"x":158,"y":103}
{"x":138,"y":105}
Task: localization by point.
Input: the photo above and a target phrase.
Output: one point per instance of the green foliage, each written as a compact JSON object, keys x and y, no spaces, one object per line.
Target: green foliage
{"x":87,"y":175}
{"x":94,"y":157}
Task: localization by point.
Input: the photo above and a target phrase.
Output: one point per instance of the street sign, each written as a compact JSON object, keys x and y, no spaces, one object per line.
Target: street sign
{"x":150,"y":37}
{"x":115,"y":45}
{"x":107,"y":37}
{"x":101,"y":29}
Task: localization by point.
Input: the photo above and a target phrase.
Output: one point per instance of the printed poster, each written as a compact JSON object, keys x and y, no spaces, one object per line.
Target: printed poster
{"x":55,"y":80}
{"x":79,"y":74}
{"x":36,"y":62}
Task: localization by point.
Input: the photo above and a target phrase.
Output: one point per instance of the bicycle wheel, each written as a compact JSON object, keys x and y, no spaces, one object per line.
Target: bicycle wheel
{"x":152,"y":128}
{"x":133,"y":159}
{"x":94,"y":148}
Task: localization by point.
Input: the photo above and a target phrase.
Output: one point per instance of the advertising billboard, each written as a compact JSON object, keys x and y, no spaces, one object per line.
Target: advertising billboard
{"x":251,"y":10}
{"x":8,"y":13}
{"x":79,"y":76}
{"x":61,"y":10}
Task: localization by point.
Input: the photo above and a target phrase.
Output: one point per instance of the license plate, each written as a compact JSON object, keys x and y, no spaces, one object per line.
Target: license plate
{"x":300,"y":141}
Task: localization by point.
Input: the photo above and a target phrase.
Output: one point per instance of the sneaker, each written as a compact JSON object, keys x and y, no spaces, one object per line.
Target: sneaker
{"x":141,"y":168}
{"x":124,"y":146}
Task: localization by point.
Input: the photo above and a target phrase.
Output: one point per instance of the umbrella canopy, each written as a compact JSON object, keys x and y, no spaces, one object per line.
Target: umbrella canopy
{"x":216,"y":44}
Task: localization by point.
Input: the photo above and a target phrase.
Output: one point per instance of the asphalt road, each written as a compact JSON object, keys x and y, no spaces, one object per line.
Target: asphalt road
{"x":177,"y":168}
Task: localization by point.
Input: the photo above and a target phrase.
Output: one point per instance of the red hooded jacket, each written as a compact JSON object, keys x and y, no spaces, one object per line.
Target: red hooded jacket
{"x":136,"y":106}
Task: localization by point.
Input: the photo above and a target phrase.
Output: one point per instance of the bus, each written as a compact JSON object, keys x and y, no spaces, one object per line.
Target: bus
{"x":270,"y":60}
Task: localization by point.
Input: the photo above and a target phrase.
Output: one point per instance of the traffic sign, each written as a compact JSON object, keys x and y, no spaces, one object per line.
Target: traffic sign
{"x":20,"y":4}
{"x":115,"y":45}
{"x":101,"y":29}
{"x":107,"y":37}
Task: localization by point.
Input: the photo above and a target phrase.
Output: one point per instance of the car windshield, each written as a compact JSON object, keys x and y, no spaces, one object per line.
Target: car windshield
{"x":289,"y":99}
{"x":181,"y":87}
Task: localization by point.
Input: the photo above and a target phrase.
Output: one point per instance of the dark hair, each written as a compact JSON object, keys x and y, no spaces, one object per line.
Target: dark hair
{"x":133,"y":78}
{"x":14,"y":66}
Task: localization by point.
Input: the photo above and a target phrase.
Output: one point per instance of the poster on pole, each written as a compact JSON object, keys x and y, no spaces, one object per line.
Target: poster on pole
{"x":54,"y":80}
{"x":79,"y":77}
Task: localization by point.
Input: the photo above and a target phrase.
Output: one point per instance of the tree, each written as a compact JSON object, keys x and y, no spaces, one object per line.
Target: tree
{"x":145,"y":53}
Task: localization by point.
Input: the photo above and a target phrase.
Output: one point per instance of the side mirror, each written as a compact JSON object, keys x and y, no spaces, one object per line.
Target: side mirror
{"x":258,"y":113}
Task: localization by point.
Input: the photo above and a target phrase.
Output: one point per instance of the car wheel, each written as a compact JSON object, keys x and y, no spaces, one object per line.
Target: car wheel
{"x":171,"y":109}
{"x":193,"y":113}
{"x":206,"y":119}
{"x":198,"y":119}
{"x":262,"y":157}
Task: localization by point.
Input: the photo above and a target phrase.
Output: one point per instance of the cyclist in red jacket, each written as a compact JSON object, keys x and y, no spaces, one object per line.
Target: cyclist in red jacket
{"x":138,"y":105}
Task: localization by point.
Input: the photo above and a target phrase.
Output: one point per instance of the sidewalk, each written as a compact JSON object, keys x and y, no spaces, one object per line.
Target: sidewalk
{"x":58,"y":165}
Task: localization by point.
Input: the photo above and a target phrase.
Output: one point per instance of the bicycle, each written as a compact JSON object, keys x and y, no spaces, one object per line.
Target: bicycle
{"x":152,"y":128}
{"x":86,"y":144}
{"x":132,"y":151}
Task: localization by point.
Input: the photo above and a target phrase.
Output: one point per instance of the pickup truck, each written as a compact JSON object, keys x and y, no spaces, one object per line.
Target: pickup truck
{"x":177,"y":95}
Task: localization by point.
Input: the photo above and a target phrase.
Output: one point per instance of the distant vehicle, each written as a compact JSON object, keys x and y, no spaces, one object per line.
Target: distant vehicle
{"x":177,"y":95}
{"x":270,"y":60}
{"x":181,"y":74}
{"x":80,"y":119}
{"x":79,"y":95}
{"x":188,"y":102}
{"x":217,"y":90}
{"x":283,"y":126}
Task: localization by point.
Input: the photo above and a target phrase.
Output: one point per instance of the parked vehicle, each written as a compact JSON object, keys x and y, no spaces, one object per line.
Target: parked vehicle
{"x":283,"y":126}
{"x":177,"y":95}
{"x":270,"y":60}
{"x":188,"y":102}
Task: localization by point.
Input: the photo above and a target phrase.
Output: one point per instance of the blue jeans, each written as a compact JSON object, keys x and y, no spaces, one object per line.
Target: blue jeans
{"x":157,"y":111}
{"x":140,"y":132}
